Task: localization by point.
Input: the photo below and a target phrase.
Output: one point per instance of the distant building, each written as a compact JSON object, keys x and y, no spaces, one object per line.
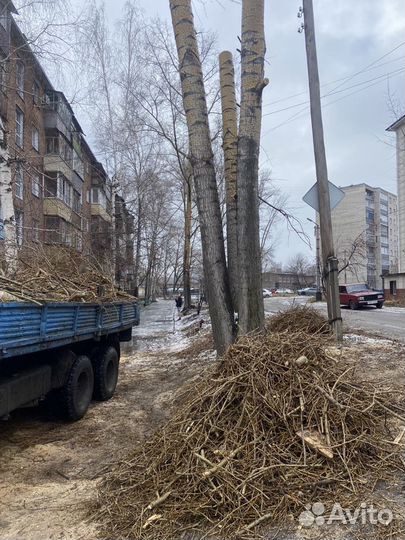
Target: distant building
{"x":394,"y":283}
{"x":365,"y":231}
{"x":287,"y":280}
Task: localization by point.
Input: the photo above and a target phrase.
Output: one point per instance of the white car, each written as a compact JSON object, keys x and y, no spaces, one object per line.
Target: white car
{"x":284,"y":291}
{"x":267,"y":293}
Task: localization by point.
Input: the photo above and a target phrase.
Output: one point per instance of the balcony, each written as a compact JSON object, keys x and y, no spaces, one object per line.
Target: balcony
{"x":99,"y":210}
{"x":57,"y":113}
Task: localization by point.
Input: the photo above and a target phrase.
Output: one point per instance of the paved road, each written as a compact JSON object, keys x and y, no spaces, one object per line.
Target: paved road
{"x":388,"y":322}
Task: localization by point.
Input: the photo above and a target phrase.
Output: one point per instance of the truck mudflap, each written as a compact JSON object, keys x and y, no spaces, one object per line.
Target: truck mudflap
{"x":24,"y":388}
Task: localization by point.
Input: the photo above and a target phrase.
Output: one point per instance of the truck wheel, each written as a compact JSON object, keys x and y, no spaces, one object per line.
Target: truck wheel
{"x":352,"y":305}
{"x":380,"y":305}
{"x":105,"y":373}
{"x":76,"y":395}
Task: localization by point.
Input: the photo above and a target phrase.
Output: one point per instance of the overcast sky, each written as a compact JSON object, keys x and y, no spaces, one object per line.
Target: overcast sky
{"x":352,"y":37}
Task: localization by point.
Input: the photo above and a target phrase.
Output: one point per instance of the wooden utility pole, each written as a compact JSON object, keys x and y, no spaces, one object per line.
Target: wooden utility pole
{"x":330,"y":262}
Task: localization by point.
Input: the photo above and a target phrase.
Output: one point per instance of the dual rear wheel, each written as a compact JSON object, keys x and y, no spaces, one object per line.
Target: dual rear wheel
{"x":89,"y":377}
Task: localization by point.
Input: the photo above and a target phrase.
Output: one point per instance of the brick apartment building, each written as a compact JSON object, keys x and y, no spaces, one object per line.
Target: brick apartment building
{"x":61,"y":193}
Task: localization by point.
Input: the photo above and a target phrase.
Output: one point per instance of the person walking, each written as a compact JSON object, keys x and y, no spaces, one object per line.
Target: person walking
{"x":179,"y":304}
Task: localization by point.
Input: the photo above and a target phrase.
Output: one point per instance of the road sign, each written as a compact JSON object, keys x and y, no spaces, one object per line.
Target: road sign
{"x":335,"y":195}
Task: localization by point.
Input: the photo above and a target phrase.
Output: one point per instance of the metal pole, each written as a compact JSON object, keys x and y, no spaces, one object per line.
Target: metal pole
{"x":328,"y":256}
{"x":318,"y":297}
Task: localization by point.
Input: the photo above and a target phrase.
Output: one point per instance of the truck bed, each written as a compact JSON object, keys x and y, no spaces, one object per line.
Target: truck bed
{"x":27,"y":328}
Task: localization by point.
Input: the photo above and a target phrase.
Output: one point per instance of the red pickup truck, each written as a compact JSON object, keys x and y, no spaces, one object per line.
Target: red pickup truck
{"x":358,"y":295}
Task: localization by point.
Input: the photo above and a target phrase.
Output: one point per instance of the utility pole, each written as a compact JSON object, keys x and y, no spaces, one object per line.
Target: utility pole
{"x":330,"y":262}
{"x":318,"y":297}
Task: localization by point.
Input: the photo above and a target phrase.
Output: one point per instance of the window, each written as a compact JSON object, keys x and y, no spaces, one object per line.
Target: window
{"x":36,"y":184}
{"x":64,"y":190}
{"x":35,"y":138}
{"x":35,"y":230}
{"x":19,"y":78}
{"x":52,"y":145}
{"x":369,"y":215}
{"x":384,"y":231}
{"x":98,"y":197}
{"x":393,"y":288}
{"x":19,"y":127}
{"x":76,"y":201}
{"x":19,"y":181}
{"x":19,"y":227}
{"x":35,"y":93}
{"x":78,"y":164}
{"x":50,"y":184}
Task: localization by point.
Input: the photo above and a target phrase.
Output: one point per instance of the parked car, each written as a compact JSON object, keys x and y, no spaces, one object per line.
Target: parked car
{"x":307,"y":291}
{"x":284,"y":291}
{"x":358,"y":295}
{"x":267,"y":293}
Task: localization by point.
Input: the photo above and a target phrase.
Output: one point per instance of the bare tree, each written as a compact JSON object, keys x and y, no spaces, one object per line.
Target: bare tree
{"x":303,"y":269}
{"x":251,"y":310}
{"x":7,"y":214}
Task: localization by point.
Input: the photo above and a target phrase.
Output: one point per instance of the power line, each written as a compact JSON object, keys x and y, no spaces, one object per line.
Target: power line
{"x":347,"y":77}
{"x":305,"y":92}
{"x":304,"y":111}
{"x":334,"y":91}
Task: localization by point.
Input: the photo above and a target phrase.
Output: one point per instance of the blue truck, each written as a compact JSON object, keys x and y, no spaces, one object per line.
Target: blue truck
{"x":61,"y":354}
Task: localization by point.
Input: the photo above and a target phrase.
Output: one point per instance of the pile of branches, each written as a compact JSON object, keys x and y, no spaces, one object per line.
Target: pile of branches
{"x":299,"y":319}
{"x":252,"y":443}
{"x":58,"y":274}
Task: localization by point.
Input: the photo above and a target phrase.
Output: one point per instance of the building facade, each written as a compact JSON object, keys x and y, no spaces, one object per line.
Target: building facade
{"x":365,"y":231}
{"x":394,"y":283}
{"x":61,"y":192}
{"x":287,"y":280}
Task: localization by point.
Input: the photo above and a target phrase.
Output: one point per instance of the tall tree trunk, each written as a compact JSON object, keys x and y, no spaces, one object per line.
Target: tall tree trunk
{"x":6,"y":204}
{"x":138,"y":245}
{"x":187,"y":241}
{"x":251,"y":310}
{"x":201,"y":158}
{"x":230,"y":147}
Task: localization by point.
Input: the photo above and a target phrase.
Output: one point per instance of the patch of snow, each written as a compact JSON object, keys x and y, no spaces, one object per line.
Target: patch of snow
{"x":357,"y":338}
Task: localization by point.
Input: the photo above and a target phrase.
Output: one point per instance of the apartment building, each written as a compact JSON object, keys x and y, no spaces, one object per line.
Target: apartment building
{"x":394,"y":283}
{"x":365,"y":230}
{"x":61,"y":192}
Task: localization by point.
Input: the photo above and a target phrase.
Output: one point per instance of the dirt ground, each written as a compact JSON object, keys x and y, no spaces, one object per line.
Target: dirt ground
{"x":49,"y":470}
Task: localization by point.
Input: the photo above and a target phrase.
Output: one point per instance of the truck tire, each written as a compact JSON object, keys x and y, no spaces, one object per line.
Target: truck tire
{"x":353,"y":305}
{"x":75,"y":396}
{"x":380,"y":305}
{"x":105,"y":365}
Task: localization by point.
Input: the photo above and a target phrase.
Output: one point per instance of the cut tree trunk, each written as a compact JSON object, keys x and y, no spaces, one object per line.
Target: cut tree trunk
{"x":253,"y":48}
{"x":202,"y":161}
{"x":230,"y":147}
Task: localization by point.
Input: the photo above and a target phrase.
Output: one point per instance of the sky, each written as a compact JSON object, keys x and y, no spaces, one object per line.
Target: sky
{"x":361,"y":63}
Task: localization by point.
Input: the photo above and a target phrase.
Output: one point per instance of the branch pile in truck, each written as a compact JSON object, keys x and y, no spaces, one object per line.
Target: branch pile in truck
{"x":59,"y":274}
{"x":280,"y":423}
